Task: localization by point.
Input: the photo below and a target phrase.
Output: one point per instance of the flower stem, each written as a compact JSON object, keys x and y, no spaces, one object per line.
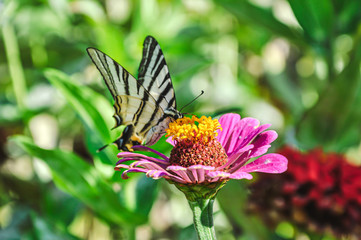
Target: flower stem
{"x":203,"y":218}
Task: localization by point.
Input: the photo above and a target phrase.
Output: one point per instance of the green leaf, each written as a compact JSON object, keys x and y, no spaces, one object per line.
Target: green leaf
{"x":315,"y":17}
{"x":188,"y":233}
{"x":254,"y":15}
{"x":349,"y":17}
{"x":88,"y":104}
{"x":76,"y":177}
{"x":286,"y":91}
{"x":146,"y":193}
{"x":335,"y":120}
{"x":82,"y":100}
{"x":43,"y":230}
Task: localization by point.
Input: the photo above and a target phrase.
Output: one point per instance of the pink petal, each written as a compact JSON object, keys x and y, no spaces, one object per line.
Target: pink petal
{"x":130,"y":154}
{"x":137,"y":157}
{"x":262,"y":143}
{"x":234,"y":157}
{"x":220,"y":174}
{"x":156,"y":174}
{"x":170,"y":140}
{"x":247,"y":130}
{"x":240,"y":160}
{"x":227,"y":121}
{"x":198,"y":172}
{"x":233,"y":137}
{"x":180,"y":172}
{"x":265,"y":138}
{"x":259,"y":146}
{"x":133,"y":170}
{"x":243,"y":133}
{"x":240,"y":175}
{"x":147,"y":165}
{"x":269,"y":163}
{"x":252,"y":133}
{"x":147,"y":149}
{"x":237,"y":132}
{"x":177,"y":179}
{"x":255,"y":152}
{"x":121,"y":166}
{"x":238,"y":135}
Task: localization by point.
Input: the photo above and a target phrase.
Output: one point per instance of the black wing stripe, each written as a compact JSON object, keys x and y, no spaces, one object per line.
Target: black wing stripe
{"x":105,"y":72}
{"x":148,"y":49}
{"x":152,"y":76}
{"x":117,"y":115}
{"x":153,"y":72}
{"x":138,"y":113}
{"x":171,"y":102}
{"x":126,"y":82}
{"x":164,"y":93}
{"x":117,"y":79}
{"x":166,"y":77}
{"x":146,"y":68}
{"x":154,"y":54}
{"x":159,"y":61}
{"x":159,"y":69}
{"x":160,"y":99}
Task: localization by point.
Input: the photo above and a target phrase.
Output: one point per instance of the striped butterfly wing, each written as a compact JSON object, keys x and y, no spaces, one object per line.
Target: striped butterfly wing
{"x":154,"y":75}
{"x":134,"y":105}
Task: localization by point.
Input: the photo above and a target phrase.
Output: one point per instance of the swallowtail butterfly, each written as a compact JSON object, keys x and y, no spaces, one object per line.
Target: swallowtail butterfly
{"x":145,"y":105}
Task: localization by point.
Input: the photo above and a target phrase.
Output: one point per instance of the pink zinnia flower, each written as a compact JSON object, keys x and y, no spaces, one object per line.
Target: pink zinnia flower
{"x":207,"y":151}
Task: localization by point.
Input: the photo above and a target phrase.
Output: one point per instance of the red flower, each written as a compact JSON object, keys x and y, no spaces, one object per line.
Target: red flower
{"x":320,"y":191}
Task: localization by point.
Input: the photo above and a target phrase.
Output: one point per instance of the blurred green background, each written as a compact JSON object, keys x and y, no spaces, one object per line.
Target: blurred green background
{"x":294,"y":64}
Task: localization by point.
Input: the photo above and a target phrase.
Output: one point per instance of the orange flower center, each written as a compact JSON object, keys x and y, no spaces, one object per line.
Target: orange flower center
{"x":196,"y":142}
{"x":194,"y":128}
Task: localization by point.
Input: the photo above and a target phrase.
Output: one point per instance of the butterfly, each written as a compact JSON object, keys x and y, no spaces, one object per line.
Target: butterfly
{"x":145,"y":105}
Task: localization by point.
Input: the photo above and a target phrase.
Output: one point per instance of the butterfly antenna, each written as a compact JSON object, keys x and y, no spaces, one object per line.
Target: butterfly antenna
{"x":100,"y":149}
{"x":191,"y":101}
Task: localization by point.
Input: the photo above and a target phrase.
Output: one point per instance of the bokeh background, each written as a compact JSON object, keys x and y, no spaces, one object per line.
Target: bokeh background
{"x":294,"y":64}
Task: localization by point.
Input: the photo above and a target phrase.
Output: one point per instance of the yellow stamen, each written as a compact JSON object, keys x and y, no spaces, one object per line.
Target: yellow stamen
{"x":195,"y":129}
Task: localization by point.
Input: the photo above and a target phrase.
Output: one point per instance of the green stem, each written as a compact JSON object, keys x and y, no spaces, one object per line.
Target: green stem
{"x":203,"y":218}
{"x":14,"y":62}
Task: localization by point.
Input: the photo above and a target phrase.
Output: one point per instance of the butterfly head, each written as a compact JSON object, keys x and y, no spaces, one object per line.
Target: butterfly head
{"x":173,"y":113}
{"x":178,"y":115}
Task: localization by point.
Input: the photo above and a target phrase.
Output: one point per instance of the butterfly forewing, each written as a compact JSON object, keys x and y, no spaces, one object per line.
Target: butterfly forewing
{"x":117,"y":79}
{"x":154,"y":74}
{"x":130,"y":96}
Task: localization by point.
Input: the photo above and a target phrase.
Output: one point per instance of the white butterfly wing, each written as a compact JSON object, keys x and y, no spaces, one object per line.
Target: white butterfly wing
{"x":146,"y":105}
{"x":154,"y":74}
{"x":133,"y":103}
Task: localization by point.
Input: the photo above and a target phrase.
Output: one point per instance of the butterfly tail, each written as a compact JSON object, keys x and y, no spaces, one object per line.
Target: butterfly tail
{"x":128,"y":139}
